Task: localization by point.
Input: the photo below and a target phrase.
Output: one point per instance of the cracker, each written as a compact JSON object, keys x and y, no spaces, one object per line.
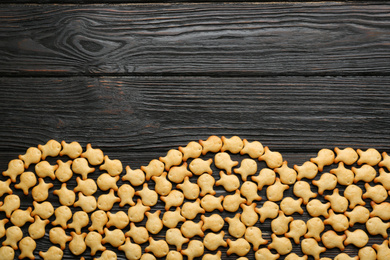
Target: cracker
{"x":287,"y":175}
{"x":290,"y":206}
{"x":45,"y":169}
{"x":233,"y":144}
{"x":154,"y":223}
{"x":316,"y":208}
{"x":66,"y":197}
{"x":32,"y":156}
{"x":293,"y":256}
{"x":365,"y":173}
{"x":214,"y":222}
{"x":266,"y":177}
{"x":107,"y":255}
{"x":314,"y":228}
{"x":357,"y":238}
{"x":232,"y":203}
{"x":139,"y":234}
{"x":206,"y":183}
{"x":302,"y":190}
{"x":367,"y":253}
{"x":58,"y":236}
{"x":172,"y":218}
{"x":331,"y":239}
{"x":149,"y":197}
{"x":327,"y":181}
{"x":190,"y":190}
{"x":212,"y":144}
{"x":52,"y":148}
{"x":344,"y":256}
{"x":310,"y":247}
{"x":268,"y":210}
{"x":282,"y":245}
{"x":80,"y":220}
{"x":210,"y":203}
{"x":118,"y":219}
{"x":190,"y":210}
{"x":272,"y":159}
{"x":370,"y":156}
{"x":77,"y":245}
{"x":37,"y":229}
{"x":88,"y":186}
{"x":347,"y":155}
{"x":20,"y":217}
{"x":163,"y":186}
{"x":135,"y":177}
{"x":64,"y":172}
{"x":307,"y":170}
{"x":154,"y":168}
{"x":27,"y":246}
{"x":359,"y":214}
{"x":248,"y":167}
{"x":41,"y":191}
{"x":7,"y":253}
{"x":354,"y":195}
{"x":80,"y":166}
{"x":324,"y":157}
{"x":53,"y":253}
{"x":174,"y":255}
{"x":190,"y":229}
{"x":2,"y":226}
{"x":298,"y":229}
{"x":106,"y":182}
{"x":132,"y":250}
{"x":147,"y":256}
{"x":280,"y":224}
{"x":240,"y":247}
{"x":199,"y":166}
{"x":114,"y":237}
{"x":376,"y":193}
{"x":254,"y":236}
{"x":63,"y":215}
{"x":86,"y":203}
{"x":383,"y":178}
{"x":375,"y":226}
{"x":216,"y":256}
{"x":338,"y":203}
{"x":276,"y":190}
{"x":230,"y":182}
{"x":13,"y":235}
{"x":113,"y":167}
{"x":126,"y":194}
{"x":212,"y":240}
{"x":99,"y":219}
{"x":249,"y":216}
{"x":94,"y":241}
{"x":344,"y":176}
{"x":11,"y":203}
{"x":136,"y":213}
{"x":195,"y":249}
{"x":27,"y":180}
{"x":173,"y":157}
{"x":254,"y":149}
{"x":265,"y":254}
{"x":159,"y":248}
{"x":223,"y":161}
{"x":4,"y":185}
{"x":174,"y":237}
{"x":381,"y":210}
{"x":44,"y":209}
{"x":106,"y":201}
{"x":174,"y":199}
{"x":94,"y":156}
{"x":72,"y":150}
{"x":192,"y":150}
{"x":382,"y":250}
{"x":236,"y":227}
{"x":178,"y":173}
{"x":339,"y":222}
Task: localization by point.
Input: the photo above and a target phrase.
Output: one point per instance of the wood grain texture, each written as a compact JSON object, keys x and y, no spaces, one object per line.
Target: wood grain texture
{"x":238,"y":39}
{"x":137,"y":119}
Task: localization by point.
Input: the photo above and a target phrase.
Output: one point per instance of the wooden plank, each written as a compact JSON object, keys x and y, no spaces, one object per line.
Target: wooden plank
{"x":238,"y":39}
{"x":137,"y":119}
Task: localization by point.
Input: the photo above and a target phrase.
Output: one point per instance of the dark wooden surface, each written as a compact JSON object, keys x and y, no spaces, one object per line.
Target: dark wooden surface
{"x":139,"y":79}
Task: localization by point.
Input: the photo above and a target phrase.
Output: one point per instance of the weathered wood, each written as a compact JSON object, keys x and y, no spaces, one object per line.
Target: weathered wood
{"x":239,"y":39}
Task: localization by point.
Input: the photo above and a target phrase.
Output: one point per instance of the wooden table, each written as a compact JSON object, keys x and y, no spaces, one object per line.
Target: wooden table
{"x":138,"y":79}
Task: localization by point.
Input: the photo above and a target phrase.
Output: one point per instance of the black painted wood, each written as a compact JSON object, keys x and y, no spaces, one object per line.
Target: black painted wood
{"x":241,"y":39}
